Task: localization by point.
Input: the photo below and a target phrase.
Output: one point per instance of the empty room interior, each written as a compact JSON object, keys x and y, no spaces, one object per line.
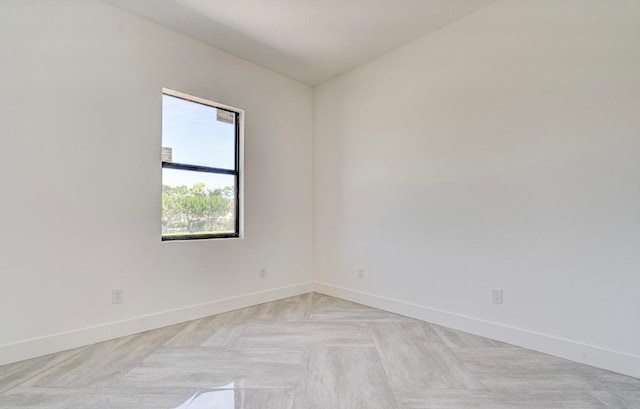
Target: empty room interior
{"x":305,"y":204}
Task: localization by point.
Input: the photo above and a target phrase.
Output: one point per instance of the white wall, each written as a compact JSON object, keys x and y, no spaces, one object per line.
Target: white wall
{"x":502,"y":151}
{"x":80,"y":111}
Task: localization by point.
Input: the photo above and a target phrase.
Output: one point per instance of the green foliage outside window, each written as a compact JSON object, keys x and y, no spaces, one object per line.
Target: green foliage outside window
{"x":197,"y":210}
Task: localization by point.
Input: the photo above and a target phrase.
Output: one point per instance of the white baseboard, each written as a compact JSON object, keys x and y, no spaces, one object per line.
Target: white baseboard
{"x":49,"y":344}
{"x":588,"y":354}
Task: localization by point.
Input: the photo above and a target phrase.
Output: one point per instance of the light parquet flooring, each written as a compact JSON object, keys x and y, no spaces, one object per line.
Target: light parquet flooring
{"x":307,"y":352}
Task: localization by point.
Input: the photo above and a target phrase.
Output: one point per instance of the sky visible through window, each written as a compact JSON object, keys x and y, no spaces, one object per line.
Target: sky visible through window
{"x":196,"y":137}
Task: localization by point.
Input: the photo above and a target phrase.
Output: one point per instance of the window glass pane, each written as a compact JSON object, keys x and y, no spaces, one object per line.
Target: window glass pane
{"x":197,"y":203}
{"x":196,"y":135}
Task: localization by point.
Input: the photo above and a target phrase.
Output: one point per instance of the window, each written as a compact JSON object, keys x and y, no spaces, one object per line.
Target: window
{"x":201,"y":146}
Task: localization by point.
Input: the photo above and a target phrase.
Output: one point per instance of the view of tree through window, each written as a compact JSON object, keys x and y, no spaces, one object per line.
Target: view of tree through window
{"x":199,"y":169}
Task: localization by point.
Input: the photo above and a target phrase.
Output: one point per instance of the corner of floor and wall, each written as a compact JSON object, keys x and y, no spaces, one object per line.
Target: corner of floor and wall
{"x":500,"y":152}
{"x":81,"y":115}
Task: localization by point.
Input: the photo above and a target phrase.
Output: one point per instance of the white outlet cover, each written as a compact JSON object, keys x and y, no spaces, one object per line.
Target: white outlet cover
{"x":117,"y":296}
{"x":496,"y":296}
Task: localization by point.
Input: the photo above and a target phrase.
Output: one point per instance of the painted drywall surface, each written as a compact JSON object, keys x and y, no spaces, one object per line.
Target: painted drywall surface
{"x":80,"y":111}
{"x":499,"y":152}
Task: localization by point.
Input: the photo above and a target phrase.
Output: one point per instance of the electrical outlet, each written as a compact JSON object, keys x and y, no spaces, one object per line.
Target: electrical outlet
{"x":496,"y":296}
{"x":361,"y":273}
{"x":263,"y":272}
{"x":117,"y":296}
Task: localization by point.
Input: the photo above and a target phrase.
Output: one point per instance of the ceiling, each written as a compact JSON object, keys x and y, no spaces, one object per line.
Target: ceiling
{"x":309,"y":40}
